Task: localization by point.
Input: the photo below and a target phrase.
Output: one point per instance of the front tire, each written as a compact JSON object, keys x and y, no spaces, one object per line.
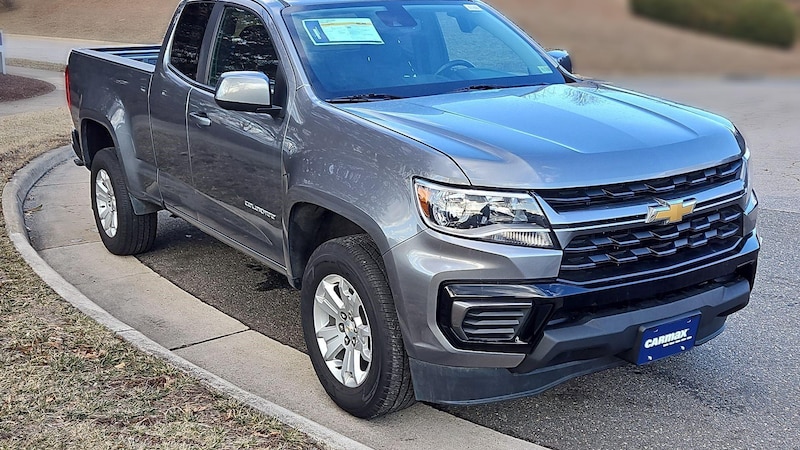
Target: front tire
{"x":122,"y":231}
{"x":351,"y":329}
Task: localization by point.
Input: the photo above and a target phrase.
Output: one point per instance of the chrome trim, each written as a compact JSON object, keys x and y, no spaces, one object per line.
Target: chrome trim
{"x":676,"y":210}
{"x":566,"y":235}
{"x":599,"y":217}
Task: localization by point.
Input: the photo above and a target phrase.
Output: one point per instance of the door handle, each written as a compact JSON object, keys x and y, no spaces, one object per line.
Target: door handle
{"x":200,"y":119}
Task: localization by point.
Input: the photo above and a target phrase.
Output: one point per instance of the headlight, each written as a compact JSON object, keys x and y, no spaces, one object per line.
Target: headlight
{"x":740,"y":140}
{"x":502,"y":217}
{"x":745,"y":162}
{"x":746,"y":170}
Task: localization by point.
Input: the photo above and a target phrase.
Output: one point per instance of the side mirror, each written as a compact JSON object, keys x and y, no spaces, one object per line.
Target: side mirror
{"x":245,"y":91}
{"x":562,"y":58}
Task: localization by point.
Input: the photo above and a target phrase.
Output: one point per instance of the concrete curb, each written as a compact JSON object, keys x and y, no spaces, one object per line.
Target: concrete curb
{"x":14,"y":195}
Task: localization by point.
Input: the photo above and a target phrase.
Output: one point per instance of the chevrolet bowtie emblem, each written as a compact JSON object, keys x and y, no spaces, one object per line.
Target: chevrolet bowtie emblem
{"x":670,"y":211}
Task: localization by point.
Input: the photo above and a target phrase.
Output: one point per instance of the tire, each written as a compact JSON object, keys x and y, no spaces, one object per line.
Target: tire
{"x":347,"y":276}
{"x":122,"y":231}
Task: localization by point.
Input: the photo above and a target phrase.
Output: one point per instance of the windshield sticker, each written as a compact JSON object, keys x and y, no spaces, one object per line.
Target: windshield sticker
{"x":473,"y":8}
{"x":342,"y":31}
{"x":545,"y":69}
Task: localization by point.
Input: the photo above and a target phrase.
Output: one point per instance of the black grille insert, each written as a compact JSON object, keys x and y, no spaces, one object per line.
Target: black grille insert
{"x":570,"y":199}
{"x":493,"y":324}
{"x":493,"y":317}
{"x":652,"y":247}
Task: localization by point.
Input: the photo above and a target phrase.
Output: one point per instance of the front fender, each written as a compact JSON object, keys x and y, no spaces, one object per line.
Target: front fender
{"x":358,"y":169}
{"x":361,"y":171}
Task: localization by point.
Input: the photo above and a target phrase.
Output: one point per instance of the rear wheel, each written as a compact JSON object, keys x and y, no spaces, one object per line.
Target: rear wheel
{"x":351,"y":329}
{"x":122,"y":231}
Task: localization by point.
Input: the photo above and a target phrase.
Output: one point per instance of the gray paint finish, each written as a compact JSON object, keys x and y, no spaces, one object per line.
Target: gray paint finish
{"x":241,"y":176}
{"x":559,"y":136}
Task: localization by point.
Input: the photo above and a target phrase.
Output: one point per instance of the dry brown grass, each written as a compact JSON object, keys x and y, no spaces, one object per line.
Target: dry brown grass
{"x":25,"y":136}
{"x":122,"y":21}
{"x":31,"y":64}
{"x":605,"y":38}
{"x":67,"y":382}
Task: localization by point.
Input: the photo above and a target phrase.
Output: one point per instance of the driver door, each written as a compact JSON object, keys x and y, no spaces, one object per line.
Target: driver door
{"x":236,"y":156}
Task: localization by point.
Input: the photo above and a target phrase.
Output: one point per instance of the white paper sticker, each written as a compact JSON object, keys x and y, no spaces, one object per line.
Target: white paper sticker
{"x":545,"y":69}
{"x":473,"y":7}
{"x":342,"y":31}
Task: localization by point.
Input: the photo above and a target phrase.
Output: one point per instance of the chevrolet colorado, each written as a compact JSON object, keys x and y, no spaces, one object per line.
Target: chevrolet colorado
{"x":467,"y":220}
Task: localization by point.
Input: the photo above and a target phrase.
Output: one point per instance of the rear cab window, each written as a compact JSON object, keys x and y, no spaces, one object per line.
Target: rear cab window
{"x":187,"y":39}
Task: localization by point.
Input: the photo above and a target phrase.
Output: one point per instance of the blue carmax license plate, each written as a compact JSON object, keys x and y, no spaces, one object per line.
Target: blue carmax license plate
{"x":667,"y":338}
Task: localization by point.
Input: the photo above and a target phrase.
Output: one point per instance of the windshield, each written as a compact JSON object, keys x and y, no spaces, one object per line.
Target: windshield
{"x":396,"y":49}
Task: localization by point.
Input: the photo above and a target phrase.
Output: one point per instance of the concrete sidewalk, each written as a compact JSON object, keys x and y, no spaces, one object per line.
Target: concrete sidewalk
{"x":62,"y":231}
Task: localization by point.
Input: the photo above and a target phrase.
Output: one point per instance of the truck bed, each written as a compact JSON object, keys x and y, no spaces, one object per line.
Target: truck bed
{"x":142,"y":57}
{"x":108,"y":90}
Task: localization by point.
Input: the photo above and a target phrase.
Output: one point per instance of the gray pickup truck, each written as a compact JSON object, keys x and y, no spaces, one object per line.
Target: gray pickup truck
{"x":466,"y":219}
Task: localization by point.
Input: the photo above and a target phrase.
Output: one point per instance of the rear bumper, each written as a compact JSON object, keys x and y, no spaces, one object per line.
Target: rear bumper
{"x":598,"y":344}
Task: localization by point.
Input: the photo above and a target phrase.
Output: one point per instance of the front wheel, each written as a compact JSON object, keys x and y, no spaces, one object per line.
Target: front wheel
{"x":122,"y":231}
{"x":351,"y":329}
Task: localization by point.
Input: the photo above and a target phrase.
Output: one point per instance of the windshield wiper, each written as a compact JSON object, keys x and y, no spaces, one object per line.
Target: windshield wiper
{"x":478,"y":87}
{"x":360,"y":98}
{"x":489,"y":87}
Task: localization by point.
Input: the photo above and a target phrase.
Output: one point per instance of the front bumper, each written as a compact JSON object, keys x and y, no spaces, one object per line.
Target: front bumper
{"x":597,"y":344}
{"x":585,"y":329}
{"x":485,"y":322}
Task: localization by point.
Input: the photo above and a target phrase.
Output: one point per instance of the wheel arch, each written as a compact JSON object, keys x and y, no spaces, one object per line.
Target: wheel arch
{"x":313,"y":222}
{"x":97,"y":133}
{"x":313,"y":216}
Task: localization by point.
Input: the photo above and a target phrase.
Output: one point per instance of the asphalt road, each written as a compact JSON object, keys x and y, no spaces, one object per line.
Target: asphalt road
{"x":738,"y":391}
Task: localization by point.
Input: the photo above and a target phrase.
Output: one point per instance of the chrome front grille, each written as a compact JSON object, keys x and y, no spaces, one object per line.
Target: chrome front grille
{"x":562,"y":200}
{"x":651,"y":247}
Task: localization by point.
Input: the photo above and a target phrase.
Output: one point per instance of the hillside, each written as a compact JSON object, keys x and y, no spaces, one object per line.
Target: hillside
{"x":143,"y":21}
{"x":603,"y":37}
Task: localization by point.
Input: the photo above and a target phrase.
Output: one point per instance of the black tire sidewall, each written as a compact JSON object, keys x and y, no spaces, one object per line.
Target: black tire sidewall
{"x":359,"y":401}
{"x":106,"y":160}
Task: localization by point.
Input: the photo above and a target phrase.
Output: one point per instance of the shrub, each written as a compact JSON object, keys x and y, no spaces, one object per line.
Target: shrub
{"x":769,"y":22}
{"x":7,"y":4}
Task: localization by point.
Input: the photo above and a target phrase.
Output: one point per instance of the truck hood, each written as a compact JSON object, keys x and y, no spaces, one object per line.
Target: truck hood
{"x":559,"y":135}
